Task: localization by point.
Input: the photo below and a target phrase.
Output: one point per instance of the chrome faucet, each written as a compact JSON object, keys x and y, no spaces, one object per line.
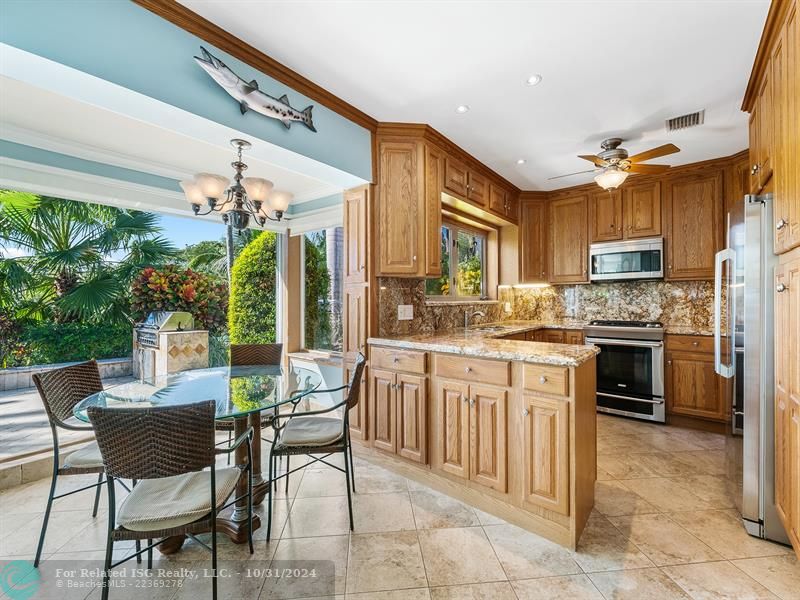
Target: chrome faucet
{"x":469,"y":315}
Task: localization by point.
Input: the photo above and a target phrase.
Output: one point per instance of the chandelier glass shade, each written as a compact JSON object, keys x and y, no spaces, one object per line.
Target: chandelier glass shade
{"x":611,"y":178}
{"x":237,"y":202}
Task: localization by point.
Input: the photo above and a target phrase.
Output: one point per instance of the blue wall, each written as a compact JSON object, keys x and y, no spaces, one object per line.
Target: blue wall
{"x":123,"y":43}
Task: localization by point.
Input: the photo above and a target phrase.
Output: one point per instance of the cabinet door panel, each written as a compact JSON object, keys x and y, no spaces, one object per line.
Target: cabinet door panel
{"x":355,"y":235}
{"x":384,"y":430}
{"x":694,"y":226}
{"x":546,"y":453}
{"x":573,"y":336}
{"x":533,"y":242}
{"x":398,"y":235}
{"x":497,"y":199}
{"x":433,"y":212}
{"x":553,"y":336}
{"x":488,"y":430}
{"x":605,"y":216}
{"x":568,"y":239}
{"x":412,"y":417}
{"x":354,"y":332}
{"x":693,"y":388}
{"x":359,"y":413}
{"x":478,"y":190}
{"x":453,"y":421}
{"x":642,"y":210}
{"x":456,"y":179}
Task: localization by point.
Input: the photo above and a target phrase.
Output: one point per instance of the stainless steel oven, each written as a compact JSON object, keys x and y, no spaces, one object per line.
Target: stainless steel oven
{"x":631,"y":259}
{"x":630,"y":368}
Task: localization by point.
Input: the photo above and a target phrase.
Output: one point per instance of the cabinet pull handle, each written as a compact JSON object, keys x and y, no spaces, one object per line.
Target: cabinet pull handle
{"x":781,"y":224}
{"x":362,"y":267}
{"x":525,"y":412}
{"x":781,"y":287}
{"x":395,"y":360}
{"x":542,"y":379}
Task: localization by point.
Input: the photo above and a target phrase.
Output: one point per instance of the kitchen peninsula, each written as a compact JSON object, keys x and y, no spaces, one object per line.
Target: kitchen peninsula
{"x":504,"y":424}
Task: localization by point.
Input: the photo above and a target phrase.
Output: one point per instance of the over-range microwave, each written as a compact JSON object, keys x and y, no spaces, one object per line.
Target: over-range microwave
{"x":631,"y":259}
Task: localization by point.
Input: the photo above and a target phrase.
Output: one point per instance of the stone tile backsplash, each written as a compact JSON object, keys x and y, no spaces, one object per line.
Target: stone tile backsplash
{"x":687,"y":304}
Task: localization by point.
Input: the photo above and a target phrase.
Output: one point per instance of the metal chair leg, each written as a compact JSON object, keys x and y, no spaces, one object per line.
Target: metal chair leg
{"x":269,"y":494}
{"x":230,"y":438}
{"x":97,"y":494}
{"x":112,"y":509}
{"x":47,"y":513}
{"x":352,"y":466}
{"x":288,"y":468}
{"x":150,"y":554}
{"x":349,"y":499}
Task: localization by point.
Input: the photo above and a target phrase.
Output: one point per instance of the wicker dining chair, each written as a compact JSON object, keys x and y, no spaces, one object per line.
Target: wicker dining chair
{"x":245,"y":355}
{"x":167,"y":449}
{"x":311,"y":433}
{"x":60,"y":390}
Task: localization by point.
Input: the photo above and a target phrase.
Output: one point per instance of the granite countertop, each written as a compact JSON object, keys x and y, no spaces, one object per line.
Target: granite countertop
{"x":483,"y":341}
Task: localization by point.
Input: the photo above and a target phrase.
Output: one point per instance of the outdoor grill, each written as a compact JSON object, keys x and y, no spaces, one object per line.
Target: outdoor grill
{"x":166,"y":342}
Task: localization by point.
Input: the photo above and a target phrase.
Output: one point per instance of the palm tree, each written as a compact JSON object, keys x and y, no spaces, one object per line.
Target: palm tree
{"x":68,"y":260}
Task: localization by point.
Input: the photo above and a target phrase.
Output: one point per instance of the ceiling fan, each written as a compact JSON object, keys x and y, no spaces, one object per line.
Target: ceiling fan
{"x":614,"y":165}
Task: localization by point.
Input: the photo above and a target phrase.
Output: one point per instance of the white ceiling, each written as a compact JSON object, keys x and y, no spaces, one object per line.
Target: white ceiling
{"x":610,"y":68}
{"x":37,"y":117}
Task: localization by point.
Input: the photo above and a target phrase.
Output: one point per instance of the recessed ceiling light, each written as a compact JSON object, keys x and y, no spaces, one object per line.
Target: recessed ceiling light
{"x":462,"y":109}
{"x":534,"y":79}
{"x":521,"y":161}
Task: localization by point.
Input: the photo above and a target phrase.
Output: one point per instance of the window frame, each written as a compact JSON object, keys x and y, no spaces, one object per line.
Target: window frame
{"x":456,"y":227}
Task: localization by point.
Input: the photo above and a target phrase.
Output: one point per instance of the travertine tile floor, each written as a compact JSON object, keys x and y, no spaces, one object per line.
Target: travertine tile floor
{"x":664,"y":527}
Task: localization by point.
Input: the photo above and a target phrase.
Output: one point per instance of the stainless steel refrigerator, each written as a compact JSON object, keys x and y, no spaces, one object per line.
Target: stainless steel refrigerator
{"x":743,"y":351}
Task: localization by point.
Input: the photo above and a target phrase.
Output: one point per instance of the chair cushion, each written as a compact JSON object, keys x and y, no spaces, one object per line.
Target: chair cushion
{"x":87,"y":457}
{"x":174,"y":501}
{"x":311,"y":431}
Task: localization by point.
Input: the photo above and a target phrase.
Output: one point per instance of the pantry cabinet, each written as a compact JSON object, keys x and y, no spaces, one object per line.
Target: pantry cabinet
{"x":568,"y":235}
{"x":694,"y":225}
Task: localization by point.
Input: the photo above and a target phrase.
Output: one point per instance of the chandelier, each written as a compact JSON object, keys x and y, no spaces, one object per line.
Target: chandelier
{"x":247,"y":197}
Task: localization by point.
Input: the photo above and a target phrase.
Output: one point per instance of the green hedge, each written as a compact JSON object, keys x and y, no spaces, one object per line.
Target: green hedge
{"x":48,"y":343}
{"x":251,"y":309}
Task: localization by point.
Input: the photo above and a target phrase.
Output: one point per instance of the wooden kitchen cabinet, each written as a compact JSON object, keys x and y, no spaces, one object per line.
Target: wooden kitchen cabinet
{"x":605,"y":216}
{"x":553,"y":336}
{"x":400,"y":414}
{"x":693,"y":225}
{"x":787,"y":393}
{"x":760,"y":131}
{"x":568,"y":235}
{"x":465,"y":183}
{"x":359,"y":414}
{"x":573,"y":336}
{"x":488,"y":443}
{"x":452,"y":400}
{"x":354,"y":330}
{"x":434,"y":167}
{"x":692,"y":386}
{"x":503,"y":203}
{"x":641,"y":210}
{"x":546,"y":453}
{"x":533,"y":241}
{"x":356,"y":202}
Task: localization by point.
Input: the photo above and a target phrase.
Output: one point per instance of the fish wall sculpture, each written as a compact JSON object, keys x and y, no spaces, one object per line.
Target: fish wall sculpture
{"x":250,"y":97}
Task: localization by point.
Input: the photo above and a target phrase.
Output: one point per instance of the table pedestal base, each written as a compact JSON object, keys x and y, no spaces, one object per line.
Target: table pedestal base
{"x":235,"y":530}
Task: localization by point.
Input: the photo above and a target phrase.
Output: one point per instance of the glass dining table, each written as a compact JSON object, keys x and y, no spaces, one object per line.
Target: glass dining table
{"x":241,"y":394}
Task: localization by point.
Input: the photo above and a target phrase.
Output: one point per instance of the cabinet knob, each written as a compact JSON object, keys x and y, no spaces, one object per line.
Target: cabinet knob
{"x":472,"y":401}
{"x":464,"y":398}
{"x":362,"y":267}
{"x":669,"y":363}
{"x":468,"y":370}
{"x":611,"y":226}
{"x":525,"y":412}
{"x":781,"y":224}
{"x":695,"y":343}
{"x":395,"y":360}
{"x":542,"y":379}
{"x":414,"y":258}
{"x":754,"y":169}
{"x":781,"y":287}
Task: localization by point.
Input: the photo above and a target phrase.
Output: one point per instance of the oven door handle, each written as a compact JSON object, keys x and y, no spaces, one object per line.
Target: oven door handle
{"x":605,"y":395}
{"x":616,"y":342}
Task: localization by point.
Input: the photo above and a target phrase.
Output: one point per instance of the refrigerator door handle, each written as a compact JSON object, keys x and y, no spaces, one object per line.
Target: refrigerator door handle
{"x":721,"y":257}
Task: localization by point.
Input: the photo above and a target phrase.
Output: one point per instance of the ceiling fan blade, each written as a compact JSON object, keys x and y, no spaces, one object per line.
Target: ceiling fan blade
{"x":648,"y":169}
{"x":595,"y":159}
{"x":654,"y":153}
{"x":576,"y":173}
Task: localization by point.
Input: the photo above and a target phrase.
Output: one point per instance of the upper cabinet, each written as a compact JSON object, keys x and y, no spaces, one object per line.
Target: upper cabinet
{"x":533,"y":241}
{"x":641,"y":209}
{"x":773,"y":101}
{"x":605,"y":215}
{"x":356,"y":235}
{"x":465,"y":183}
{"x":568,"y":235}
{"x":693,"y":227}
{"x":503,"y":203}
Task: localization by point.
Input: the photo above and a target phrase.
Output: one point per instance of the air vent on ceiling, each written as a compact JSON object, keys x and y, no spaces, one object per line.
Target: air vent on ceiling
{"x":685,"y":121}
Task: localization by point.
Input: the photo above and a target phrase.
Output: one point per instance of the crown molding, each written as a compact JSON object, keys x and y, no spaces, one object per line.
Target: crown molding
{"x":190,"y":21}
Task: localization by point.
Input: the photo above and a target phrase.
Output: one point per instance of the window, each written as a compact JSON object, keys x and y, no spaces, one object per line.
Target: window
{"x":323,"y":266}
{"x":463,"y":265}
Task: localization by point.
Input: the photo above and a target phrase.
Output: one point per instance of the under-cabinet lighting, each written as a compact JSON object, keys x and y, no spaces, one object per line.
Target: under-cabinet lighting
{"x":530,"y":286}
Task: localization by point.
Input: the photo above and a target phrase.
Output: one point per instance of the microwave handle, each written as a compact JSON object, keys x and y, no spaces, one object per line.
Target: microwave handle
{"x":721,"y":258}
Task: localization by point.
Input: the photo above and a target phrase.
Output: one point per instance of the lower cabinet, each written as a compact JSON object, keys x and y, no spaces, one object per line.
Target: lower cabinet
{"x":546,"y":453}
{"x":472,"y":432}
{"x":401,"y":412}
{"x":358,"y":414}
{"x":692,"y":386}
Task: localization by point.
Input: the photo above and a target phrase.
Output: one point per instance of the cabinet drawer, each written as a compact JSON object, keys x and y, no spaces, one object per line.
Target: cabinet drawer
{"x":411,"y":361}
{"x":491,"y":372}
{"x":691,"y":343}
{"x":546,"y":378}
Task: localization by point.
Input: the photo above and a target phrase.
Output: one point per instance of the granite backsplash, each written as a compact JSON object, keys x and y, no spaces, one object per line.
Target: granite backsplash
{"x":685,"y":304}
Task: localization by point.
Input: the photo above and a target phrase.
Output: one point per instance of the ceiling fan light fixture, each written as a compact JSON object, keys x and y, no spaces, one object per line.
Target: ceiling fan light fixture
{"x":611,"y":179}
